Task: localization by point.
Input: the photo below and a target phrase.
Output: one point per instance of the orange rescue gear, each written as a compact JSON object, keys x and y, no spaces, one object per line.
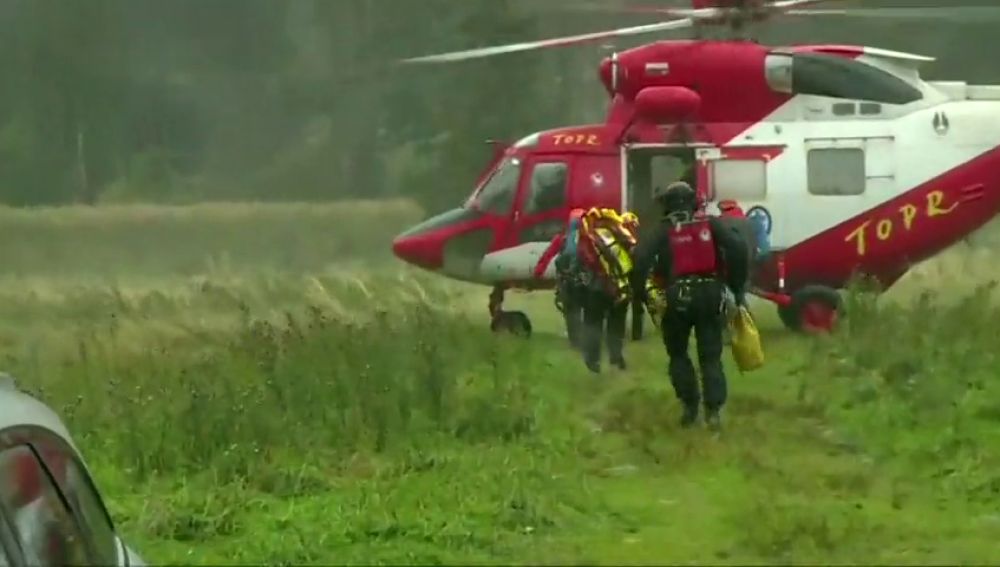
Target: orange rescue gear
{"x":605,"y":247}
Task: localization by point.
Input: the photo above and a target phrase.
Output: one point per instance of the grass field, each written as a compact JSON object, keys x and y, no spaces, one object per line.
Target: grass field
{"x":310,"y":402}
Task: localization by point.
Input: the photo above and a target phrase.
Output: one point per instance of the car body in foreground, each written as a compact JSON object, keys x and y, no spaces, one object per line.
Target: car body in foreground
{"x":51,"y":513}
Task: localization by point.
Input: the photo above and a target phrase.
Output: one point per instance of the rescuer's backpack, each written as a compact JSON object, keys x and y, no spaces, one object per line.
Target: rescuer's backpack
{"x":692,"y":247}
{"x":605,"y":248}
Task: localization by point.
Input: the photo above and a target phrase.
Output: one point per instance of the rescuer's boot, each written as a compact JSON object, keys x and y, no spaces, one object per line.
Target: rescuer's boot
{"x":714,"y":420}
{"x":690,"y":416}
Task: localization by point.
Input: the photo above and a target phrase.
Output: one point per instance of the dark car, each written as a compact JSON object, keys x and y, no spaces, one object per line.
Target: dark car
{"x":51,"y":513}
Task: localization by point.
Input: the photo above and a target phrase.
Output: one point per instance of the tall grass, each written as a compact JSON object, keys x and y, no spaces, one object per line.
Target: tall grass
{"x":281,"y":413}
{"x":926,"y":371}
{"x":360,"y":366}
{"x":313,"y":384}
{"x":375,"y":419}
{"x":374,"y":379}
{"x":159,"y":240}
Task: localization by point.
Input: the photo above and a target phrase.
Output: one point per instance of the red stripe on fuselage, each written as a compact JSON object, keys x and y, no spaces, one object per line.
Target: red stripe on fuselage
{"x":886,"y":240}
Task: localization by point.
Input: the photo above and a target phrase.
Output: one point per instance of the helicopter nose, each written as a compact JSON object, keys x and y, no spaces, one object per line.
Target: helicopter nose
{"x":422,"y":250}
{"x":452,"y":243}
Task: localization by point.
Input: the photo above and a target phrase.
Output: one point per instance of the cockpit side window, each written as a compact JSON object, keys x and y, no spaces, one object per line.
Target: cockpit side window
{"x":497,"y":194}
{"x":548,"y":188}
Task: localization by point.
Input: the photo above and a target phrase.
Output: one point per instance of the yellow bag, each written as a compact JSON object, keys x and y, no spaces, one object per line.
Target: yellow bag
{"x":656,"y":301}
{"x":746,"y":347}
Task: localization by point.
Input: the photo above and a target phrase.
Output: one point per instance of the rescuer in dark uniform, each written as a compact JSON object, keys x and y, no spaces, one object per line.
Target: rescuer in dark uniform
{"x":570,"y":290}
{"x":608,"y":292}
{"x":691,"y":256}
{"x":603,"y":317}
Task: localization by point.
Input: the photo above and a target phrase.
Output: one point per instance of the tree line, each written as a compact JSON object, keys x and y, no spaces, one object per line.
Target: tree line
{"x":188,"y":100}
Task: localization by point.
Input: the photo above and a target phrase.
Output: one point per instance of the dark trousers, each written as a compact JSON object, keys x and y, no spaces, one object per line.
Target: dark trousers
{"x":570,"y":300}
{"x":638,"y":313}
{"x":603,"y":318}
{"x":695,"y":305}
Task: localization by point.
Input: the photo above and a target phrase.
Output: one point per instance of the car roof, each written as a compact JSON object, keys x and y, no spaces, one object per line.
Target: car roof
{"x":18,"y":409}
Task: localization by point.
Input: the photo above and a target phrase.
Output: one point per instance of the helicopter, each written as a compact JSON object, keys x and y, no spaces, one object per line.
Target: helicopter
{"x":854,"y":163}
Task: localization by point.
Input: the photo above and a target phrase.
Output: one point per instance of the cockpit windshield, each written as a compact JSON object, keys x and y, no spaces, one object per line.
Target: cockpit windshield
{"x":498,"y":193}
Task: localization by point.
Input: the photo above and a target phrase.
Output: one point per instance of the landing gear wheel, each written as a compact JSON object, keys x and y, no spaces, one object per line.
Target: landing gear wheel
{"x":514,"y":322}
{"x":814,"y":309}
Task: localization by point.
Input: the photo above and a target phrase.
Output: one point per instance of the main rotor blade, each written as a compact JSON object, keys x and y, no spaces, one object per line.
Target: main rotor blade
{"x":688,"y":19}
{"x":546,"y":43}
{"x":954,"y":13}
{"x":699,"y":13}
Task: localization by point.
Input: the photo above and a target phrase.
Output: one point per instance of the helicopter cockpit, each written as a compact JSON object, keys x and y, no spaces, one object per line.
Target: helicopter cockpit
{"x":498,"y":191}
{"x":496,"y":195}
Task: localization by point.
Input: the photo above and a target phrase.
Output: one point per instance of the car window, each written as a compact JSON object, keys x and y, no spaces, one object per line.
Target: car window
{"x":85,"y":500}
{"x":7,"y":544}
{"x":9,"y":552}
{"x":45,"y":528}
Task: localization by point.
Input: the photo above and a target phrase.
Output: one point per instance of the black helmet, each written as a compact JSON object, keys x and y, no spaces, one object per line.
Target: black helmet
{"x":676,"y":198}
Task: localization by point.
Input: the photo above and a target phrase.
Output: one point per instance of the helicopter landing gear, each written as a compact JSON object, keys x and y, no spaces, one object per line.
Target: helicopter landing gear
{"x":814,"y":309}
{"x":514,"y":322}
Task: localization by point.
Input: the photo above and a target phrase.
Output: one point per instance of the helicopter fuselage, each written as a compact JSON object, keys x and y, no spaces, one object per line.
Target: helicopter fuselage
{"x":853,"y":161}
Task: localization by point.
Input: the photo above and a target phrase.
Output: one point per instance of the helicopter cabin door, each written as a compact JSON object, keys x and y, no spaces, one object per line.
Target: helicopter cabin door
{"x":541,"y":208}
{"x":844,"y":177}
{"x":646,"y":166}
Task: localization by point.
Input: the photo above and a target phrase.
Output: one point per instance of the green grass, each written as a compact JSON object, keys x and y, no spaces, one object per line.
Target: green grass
{"x":120,"y":240}
{"x":368,"y":416}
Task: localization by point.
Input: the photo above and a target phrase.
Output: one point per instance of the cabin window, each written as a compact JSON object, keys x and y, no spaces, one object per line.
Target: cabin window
{"x":836,"y":171}
{"x":497,"y":194}
{"x":548,"y":188}
{"x":739,"y":179}
{"x":870,"y":108}
{"x":843,"y":108}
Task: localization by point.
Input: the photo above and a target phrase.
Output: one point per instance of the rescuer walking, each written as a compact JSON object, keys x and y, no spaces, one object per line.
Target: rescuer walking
{"x":593,"y":263}
{"x":689,"y":256}
{"x":610,"y":239}
{"x":570,"y":288}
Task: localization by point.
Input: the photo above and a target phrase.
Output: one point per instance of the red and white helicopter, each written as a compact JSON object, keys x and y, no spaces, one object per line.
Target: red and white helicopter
{"x":856,"y":164}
